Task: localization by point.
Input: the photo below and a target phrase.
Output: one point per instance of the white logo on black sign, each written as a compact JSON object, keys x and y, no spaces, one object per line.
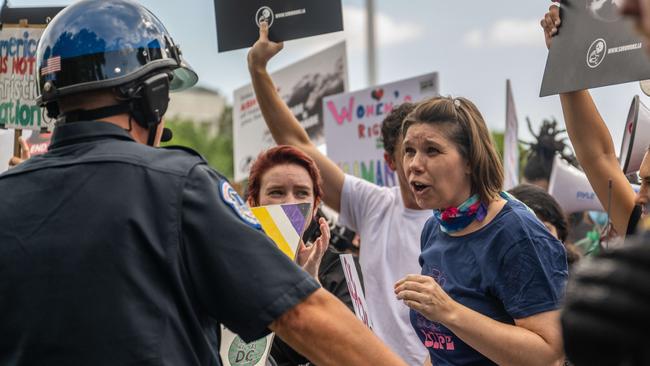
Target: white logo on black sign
{"x":596,"y":53}
{"x":264,"y":14}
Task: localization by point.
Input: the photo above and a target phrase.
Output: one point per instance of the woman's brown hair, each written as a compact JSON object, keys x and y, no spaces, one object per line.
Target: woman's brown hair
{"x":463,"y":125}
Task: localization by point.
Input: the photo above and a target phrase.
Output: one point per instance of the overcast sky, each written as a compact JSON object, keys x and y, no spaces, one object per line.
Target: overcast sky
{"x":474,"y":45}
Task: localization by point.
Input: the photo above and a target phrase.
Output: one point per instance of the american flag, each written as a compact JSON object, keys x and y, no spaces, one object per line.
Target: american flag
{"x":53,"y":65}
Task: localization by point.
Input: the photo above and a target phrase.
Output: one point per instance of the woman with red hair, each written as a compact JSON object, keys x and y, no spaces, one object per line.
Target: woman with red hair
{"x":283,"y":175}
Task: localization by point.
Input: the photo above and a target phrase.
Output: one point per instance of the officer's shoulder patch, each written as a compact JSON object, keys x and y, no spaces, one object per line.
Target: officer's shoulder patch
{"x":232,"y":199}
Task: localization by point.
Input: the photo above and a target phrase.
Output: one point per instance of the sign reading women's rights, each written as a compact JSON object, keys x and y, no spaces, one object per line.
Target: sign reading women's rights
{"x":353,"y":125}
{"x":238,"y":21}
{"x":595,"y":46}
{"x":302,"y":86}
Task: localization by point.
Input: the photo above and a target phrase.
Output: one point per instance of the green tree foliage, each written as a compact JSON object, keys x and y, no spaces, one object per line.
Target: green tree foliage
{"x":217,"y":149}
{"x":498,"y":139}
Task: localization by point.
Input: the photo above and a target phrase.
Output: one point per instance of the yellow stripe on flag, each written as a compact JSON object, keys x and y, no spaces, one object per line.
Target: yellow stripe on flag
{"x":271,"y":229}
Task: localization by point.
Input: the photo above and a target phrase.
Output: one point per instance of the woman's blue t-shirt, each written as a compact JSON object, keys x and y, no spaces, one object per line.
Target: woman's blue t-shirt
{"x":510,"y":269}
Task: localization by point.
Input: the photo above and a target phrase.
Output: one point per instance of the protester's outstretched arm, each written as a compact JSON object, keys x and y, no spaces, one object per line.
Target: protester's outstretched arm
{"x":342,"y":338}
{"x":593,"y":144}
{"x":284,"y":127}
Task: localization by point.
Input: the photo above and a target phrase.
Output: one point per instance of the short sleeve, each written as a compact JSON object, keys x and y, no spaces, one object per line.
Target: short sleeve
{"x":239,"y":276}
{"x":360,"y":200}
{"x":531,"y":276}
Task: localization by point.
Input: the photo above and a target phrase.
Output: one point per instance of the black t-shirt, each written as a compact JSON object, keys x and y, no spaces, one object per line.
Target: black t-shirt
{"x":635,"y":216}
{"x":116,"y":253}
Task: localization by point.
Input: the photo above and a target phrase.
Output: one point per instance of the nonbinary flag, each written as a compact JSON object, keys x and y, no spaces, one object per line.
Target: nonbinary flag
{"x":284,"y":224}
{"x":511,"y":142}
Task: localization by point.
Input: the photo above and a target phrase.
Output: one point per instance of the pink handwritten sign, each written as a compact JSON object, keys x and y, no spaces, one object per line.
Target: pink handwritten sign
{"x":356,"y":291}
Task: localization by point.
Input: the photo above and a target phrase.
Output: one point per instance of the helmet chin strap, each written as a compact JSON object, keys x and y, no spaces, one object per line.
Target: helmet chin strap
{"x":153,"y":128}
{"x":99,"y":113}
{"x":80,"y":115}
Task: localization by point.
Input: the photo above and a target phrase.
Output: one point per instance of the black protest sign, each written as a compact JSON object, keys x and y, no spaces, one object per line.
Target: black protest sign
{"x":595,"y":46}
{"x":238,"y":20}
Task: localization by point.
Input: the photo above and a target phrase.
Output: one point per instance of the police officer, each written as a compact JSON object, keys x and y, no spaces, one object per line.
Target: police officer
{"x":113,"y":252}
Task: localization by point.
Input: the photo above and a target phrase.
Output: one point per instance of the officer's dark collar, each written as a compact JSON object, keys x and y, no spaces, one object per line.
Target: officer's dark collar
{"x":75,"y":132}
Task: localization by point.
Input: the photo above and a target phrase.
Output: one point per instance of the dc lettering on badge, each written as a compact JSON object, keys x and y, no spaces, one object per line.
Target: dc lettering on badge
{"x":230,"y":197}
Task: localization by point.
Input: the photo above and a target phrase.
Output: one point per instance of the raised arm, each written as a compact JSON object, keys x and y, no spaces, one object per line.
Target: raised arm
{"x":342,"y":338}
{"x":284,"y":127}
{"x":593,"y":144}
{"x":24,"y":153}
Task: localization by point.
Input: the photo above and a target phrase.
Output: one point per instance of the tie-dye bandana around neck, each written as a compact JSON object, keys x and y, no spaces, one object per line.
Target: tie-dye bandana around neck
{"x":455,"y":219}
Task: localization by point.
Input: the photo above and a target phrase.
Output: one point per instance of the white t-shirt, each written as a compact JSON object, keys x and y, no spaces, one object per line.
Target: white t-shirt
{"x":390,"y":248}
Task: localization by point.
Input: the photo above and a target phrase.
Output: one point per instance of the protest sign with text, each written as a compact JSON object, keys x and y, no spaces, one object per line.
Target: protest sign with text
{"x":356,"y":290}
{"x":595,"y":46}
{"x":20,"y":31}
{"x":18,"y":108}
{"x":238,"y":21}
{"x":302,"y":86}
{"x":353,"y":125}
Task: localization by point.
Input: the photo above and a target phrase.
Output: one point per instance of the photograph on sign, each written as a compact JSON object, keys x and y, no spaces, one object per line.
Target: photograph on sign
{"x":238,"y":21}
{"x":594,"y":47}
{"x":302,"y":86}
{"x":353,"y":125}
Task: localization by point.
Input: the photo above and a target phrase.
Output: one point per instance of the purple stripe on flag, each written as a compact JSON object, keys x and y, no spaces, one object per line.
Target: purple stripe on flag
{"x":297,"y":215}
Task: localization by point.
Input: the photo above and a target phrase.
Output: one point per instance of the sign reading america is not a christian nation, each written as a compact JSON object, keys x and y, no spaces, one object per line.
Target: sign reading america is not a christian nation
{"x":20,"y":31}
{"x":595,"y":46}
{"x":238,"y":20}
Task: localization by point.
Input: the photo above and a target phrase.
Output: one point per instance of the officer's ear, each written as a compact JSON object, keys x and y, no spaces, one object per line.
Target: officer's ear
{"x":249,"y":202}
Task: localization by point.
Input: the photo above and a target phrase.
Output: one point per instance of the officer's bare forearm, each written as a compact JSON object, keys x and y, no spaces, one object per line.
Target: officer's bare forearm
{"x":328,"y":333}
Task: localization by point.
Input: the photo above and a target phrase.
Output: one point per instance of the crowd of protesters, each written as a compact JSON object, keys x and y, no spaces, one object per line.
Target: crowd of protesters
{"x":456,"y":271}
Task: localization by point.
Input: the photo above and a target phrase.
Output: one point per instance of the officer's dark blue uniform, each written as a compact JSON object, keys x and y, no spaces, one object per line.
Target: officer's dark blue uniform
{"x":117,"y":253}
